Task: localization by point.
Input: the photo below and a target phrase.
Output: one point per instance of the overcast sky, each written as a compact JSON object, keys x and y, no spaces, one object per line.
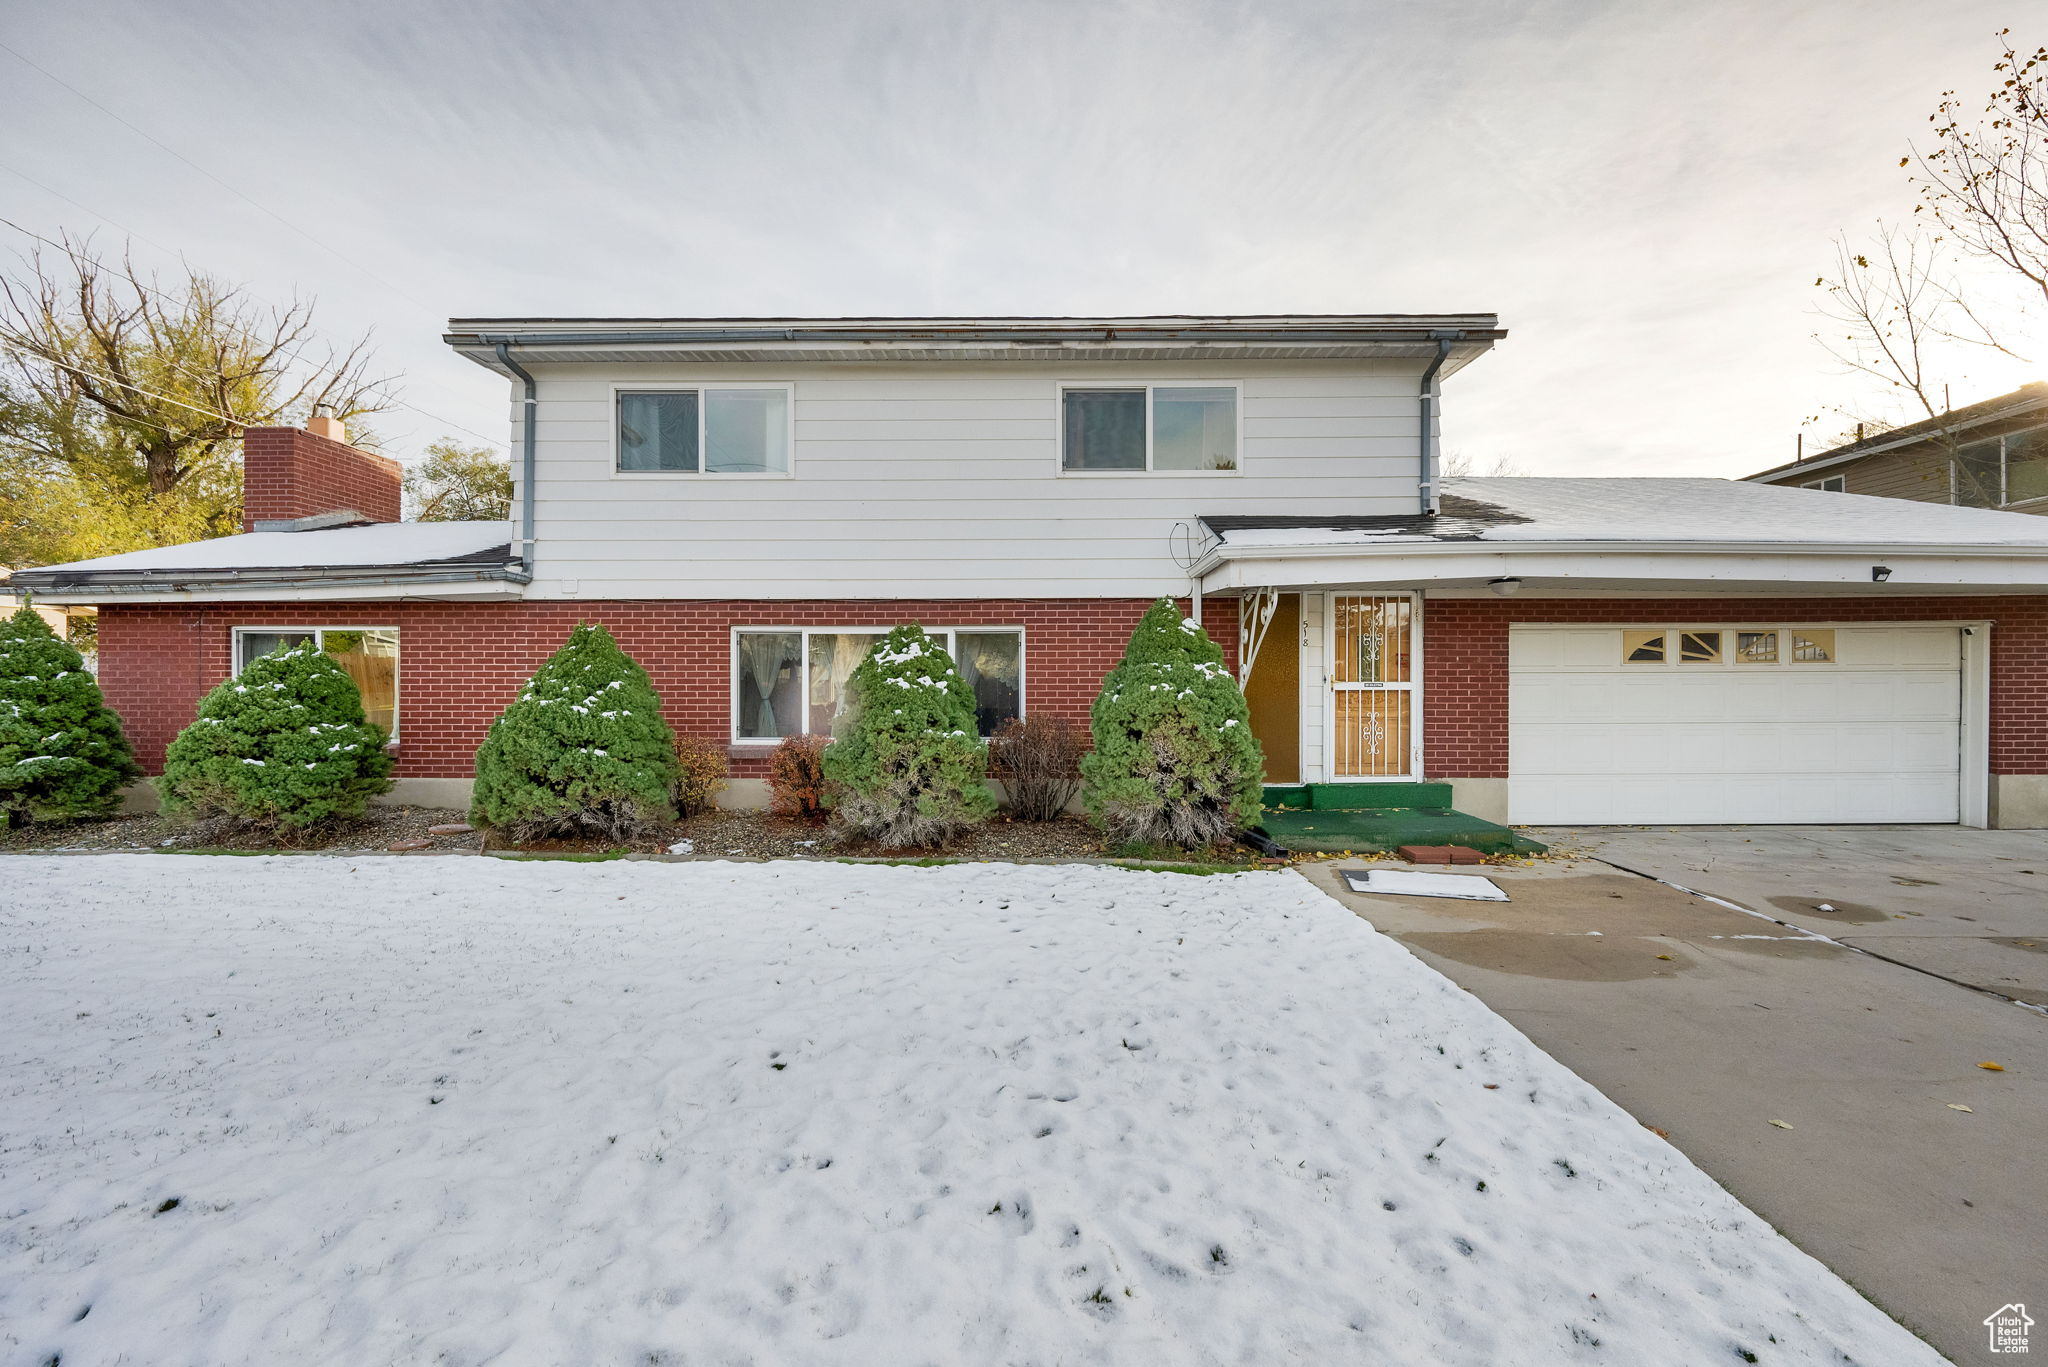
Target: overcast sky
{"x":1643,"y":190}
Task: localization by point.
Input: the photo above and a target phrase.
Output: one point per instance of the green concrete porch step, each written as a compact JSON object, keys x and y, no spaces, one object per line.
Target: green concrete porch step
{"x":1390,"y":828}
{"x":1352,"y":797}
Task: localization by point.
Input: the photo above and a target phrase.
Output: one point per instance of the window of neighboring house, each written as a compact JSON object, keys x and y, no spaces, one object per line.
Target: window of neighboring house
{"x":704,"y":431}
{"x":1980,"y":474}
{"x":368,"y":655}
{"x":793,"y":681}
{"x":1148,"y":427}
{"x":2026,"y":465}
{"x":1829,"y":484}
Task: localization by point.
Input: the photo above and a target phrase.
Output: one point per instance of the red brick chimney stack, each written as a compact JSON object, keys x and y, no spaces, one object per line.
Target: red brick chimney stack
{"x":289,"y":474}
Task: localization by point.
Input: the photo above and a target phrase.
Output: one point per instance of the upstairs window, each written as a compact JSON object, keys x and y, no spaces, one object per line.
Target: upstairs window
{"x":704,"y":431}
{"x":1172,"y":427}
{"x":1828,"y":484}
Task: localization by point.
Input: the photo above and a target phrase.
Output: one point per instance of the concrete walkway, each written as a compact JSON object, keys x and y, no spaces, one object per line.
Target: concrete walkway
{"x":1709,"y":1025}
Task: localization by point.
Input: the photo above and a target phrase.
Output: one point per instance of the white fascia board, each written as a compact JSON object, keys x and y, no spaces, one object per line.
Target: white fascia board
{"x":1441,"y":562}
{"x":341,"y":591}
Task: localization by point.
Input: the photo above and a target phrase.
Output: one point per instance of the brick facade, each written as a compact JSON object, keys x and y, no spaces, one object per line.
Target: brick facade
{"x":460,"y":664}
{"x":1465,"y":662}
{"x":288,"y":473}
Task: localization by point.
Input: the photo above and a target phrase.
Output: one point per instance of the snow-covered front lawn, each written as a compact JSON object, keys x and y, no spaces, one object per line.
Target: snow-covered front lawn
{"x":466,"y":1111}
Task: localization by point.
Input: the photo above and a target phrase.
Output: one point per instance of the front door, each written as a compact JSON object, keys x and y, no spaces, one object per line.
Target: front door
{"x":1373,"y":722}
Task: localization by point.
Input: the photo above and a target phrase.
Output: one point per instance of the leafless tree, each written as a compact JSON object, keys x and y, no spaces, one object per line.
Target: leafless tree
{"x":1985,"y":179}
{"x":106,"y":366}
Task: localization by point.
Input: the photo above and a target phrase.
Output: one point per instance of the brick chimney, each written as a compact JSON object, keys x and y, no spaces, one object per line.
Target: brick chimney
{"x":290,"y":475}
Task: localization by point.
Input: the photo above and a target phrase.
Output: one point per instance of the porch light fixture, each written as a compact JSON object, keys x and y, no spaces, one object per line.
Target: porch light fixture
{"x":1880,"y":573}
{"x":1506,"y":588}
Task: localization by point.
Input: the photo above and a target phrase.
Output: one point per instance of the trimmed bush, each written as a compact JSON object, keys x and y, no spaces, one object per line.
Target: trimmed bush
{"x":796,"y":777}
{"x":1175,"y":762}
{"x":907,"y":768}
{"x":582,"y":751}
{"x":62,"y":754}
{"x":704,"y":771}
{"x":1038,"y":759}
{"x":282,"y":747}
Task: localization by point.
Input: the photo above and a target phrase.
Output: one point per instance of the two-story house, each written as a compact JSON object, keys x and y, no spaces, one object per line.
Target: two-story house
{"x":1992,"y":454}
{"x":747,"y":503}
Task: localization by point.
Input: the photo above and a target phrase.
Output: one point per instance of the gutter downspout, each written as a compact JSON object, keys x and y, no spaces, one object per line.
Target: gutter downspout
{"x":1432,"y":500}
{"x":526,"y":454}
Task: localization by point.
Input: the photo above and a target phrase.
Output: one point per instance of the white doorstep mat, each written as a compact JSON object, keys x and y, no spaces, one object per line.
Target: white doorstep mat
{"x":1466,"y":887}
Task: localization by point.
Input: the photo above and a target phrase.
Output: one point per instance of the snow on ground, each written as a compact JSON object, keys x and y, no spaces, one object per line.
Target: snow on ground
{"x":466,"y":1111}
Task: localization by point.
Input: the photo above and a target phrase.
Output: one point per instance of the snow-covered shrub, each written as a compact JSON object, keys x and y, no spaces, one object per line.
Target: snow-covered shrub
{"x":907,"y":767}
{"x":62,"y":754}
{"x":704,"y":771}
{"x":1174,"y":762}
{"x":796,"y":777}
{"x":582,"y":750}
{"x":1038,"y":759}
{"x":281,"y":747}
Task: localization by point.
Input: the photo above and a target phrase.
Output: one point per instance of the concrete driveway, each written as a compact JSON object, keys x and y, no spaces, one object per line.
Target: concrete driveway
{"x":1709,"y":1024}
{"x":1962,"y":904}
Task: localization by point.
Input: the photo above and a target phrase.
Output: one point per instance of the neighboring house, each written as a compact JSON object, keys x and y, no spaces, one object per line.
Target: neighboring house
{"x":747,"y":503}
{"x":1989,"y":455}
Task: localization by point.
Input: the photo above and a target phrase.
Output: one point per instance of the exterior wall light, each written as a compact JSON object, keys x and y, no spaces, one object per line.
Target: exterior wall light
{"x":1506,"y":588}
{"x":1880,"y":573}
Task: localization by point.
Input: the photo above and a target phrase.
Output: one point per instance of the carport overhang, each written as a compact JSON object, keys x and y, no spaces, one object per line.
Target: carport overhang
{"x":1533,"y":569}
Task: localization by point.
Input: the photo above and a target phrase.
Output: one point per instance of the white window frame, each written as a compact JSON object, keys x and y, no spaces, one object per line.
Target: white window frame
{"x":732,"y":673}
{"x":319,"y":640}
{"x":1829,"y":484}
{"x":697,"y":387}
{"x":1148,"y":472}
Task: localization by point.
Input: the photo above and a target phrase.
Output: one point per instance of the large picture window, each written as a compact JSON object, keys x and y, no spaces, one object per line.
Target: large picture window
{"x":792,"y":681}
{"x":2003,"y":470}
{"x":704,"y":431}
{"x":1174,"y":427}
{"x":368,"y":655}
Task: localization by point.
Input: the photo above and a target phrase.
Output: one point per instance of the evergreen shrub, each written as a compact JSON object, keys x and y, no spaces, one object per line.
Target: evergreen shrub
{"x":907,"y":767}
{"x":62,"y":753}
{"x":281,"y":748}
{"x":1175,"y":762}
{"x":582,"y":751}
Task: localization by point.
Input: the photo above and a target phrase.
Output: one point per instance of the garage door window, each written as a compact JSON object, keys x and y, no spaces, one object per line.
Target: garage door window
{"x":1813,"y":647}
{"x":1642,"y":647}
{"x":1756,"y":647}
{"x":1760,"y":646}
{"x":1699,"y":647}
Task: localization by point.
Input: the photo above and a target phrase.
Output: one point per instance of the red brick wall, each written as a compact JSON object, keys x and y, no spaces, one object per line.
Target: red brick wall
{"x":287,"y":473}
{"x":459,"y":664}
{"x":1465,"y":663}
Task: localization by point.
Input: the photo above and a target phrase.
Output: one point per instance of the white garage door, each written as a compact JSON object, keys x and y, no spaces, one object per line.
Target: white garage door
{"x":1733,"y":725}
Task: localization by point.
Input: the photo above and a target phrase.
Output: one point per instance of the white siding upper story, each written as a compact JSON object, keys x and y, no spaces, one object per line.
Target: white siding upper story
{"x":945,"y":480}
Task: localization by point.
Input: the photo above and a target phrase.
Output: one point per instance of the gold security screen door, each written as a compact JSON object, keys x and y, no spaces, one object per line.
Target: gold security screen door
{"x":1372,"y":686}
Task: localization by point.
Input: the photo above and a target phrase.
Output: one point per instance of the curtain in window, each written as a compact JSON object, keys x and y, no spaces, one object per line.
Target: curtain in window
{"x":1105,"y":429}
{"x":658,"y":431}
{"x":370,"y":658}
{"x":256,"y":644}
{"x":834,"y":657}
{"x":763,"y":659}
{"x":1194,"y":428}
{"x":992,"y":664}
